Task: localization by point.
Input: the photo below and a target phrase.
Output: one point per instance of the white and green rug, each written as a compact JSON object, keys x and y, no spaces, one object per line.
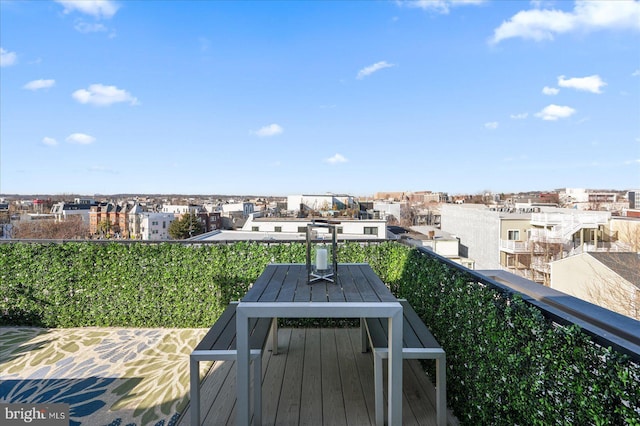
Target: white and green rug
{"x":108,"y":376}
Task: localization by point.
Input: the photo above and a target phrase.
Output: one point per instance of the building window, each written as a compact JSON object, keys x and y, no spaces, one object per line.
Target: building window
{"x":277,"y":229}
{"x":339,"y":230}
{"x":255,"y":228}
{"x":302,"y":229}
{"x":513,"y":235}
{"x":164,"y":224}
{"x":370,"y":230}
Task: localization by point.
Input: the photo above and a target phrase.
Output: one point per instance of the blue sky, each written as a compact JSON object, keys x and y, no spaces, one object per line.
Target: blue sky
{"x":277,"y":98}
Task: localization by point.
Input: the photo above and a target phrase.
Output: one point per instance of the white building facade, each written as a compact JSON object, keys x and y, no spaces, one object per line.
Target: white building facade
{"x":345,"y":229}
{"x":155,"y":226}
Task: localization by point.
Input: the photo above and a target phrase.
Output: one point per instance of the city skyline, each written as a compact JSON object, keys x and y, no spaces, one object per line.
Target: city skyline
{"x":277,"y":98}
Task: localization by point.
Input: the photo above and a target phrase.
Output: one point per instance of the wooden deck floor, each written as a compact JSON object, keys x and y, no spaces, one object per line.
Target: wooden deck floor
{"x":320,"y":377}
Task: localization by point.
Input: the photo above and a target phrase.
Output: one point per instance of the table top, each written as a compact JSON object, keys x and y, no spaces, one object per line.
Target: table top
{"x":356,"y":282}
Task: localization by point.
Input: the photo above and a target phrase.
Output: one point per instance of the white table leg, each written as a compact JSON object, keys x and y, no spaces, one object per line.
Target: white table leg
{"x":441,"y":395}
{"x":242,"y":366}
{"x":395,"y":368}
{"x":194,"y":377}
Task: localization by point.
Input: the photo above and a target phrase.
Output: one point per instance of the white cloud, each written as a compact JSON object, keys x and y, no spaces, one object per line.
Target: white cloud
{"x":85,"y":28}
{"x":491,"y":125}
{"x":520,"y":116}
{"x":270,"y":130}
{"x":551,"y":91}
{"x":102,"y":95}
{"x":555,"y":112}
{"x":587,"y":15}
{"x":49,"y":141}
{"x":366,"y":71}
{"x":636,"y":73}
{"x":101,"y":169}
{"x":39,"y":84}
{"x":7,"y":58}
{"x":592,"y":84}
{"x":338,"y":158}
{"x":80,"y":139}
{"x":440,"y":6}
{"x":95,"y":8}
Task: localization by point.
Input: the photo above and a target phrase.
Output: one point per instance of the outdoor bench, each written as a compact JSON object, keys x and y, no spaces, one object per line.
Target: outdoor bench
{"x":417,"y":343}
{"x":219,"y":344}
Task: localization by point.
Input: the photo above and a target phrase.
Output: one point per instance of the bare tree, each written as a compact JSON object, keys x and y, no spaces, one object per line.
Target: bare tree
{"x":614,"y":292}
{"x":629,"y":233}
{"x":71,"y":228}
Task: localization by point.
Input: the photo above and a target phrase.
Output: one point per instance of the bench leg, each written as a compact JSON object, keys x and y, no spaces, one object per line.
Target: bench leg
{"x":274,"y":336}
{"x":364,"y":339}
{"x":194,"y":373}
{"x":257,"y":389}
{"x":378,"y":380}
{"x":441,"y":391}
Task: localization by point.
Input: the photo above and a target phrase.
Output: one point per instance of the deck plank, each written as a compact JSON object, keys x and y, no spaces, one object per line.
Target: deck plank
{"x":353,"y":394}
{"x":333,"y":409}
{"x":311,"y":394}
{"x":289,"y":406}
{"x":320,"y":377}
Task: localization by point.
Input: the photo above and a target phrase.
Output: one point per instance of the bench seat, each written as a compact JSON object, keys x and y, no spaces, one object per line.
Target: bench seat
{"x":417,"y":343}
{"x":219,"y":344}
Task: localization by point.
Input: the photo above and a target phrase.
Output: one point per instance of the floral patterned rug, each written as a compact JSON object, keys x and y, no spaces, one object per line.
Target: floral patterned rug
{"x":108,"y":376}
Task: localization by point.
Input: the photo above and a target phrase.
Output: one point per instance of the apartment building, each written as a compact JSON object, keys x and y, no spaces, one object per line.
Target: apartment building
{"x":109,"y":220}
{"x":297,"y":227}
{"x":478,"y":229}
{"x":526,"y":243}
{"x":634,"y":199}
{"x":324,"y":202}
{"x":179,"y":210}
{"x":155,"y":226}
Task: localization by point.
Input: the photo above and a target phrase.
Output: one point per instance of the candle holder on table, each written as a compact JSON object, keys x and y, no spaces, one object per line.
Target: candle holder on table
{"x":322,"y":260}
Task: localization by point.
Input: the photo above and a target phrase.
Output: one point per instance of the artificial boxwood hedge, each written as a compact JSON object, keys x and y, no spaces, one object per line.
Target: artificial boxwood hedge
{"x":507,"y":364}
{"x":79,"y":284}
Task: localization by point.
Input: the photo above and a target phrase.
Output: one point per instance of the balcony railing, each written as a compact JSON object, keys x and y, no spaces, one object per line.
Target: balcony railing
{"x":512,"y":246}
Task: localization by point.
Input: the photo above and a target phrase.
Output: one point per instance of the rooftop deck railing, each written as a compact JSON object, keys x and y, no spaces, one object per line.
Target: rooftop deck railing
{"x":517,"y":352}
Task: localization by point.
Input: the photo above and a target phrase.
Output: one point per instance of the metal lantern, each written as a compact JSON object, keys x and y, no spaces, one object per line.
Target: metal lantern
{"x":322,"y":252}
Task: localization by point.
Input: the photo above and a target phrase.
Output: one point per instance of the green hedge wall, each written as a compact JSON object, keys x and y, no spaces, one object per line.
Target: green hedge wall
{"x":79,"y":284}
{"x":506,"y":363}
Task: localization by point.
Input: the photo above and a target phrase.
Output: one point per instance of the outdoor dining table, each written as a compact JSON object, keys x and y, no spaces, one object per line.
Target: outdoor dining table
{"x":282,"y":291}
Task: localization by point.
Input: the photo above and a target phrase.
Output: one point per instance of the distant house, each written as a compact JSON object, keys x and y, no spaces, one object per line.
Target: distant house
{"x":320,"y":202}
{"x":179,"y":210}
{"x":108,"y":219}
{"x":155,"y":226}
{"x":63,"y":211}
{"x":297,"y":228}
{"x":134,"y":218}
{"x":610,"y":280}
